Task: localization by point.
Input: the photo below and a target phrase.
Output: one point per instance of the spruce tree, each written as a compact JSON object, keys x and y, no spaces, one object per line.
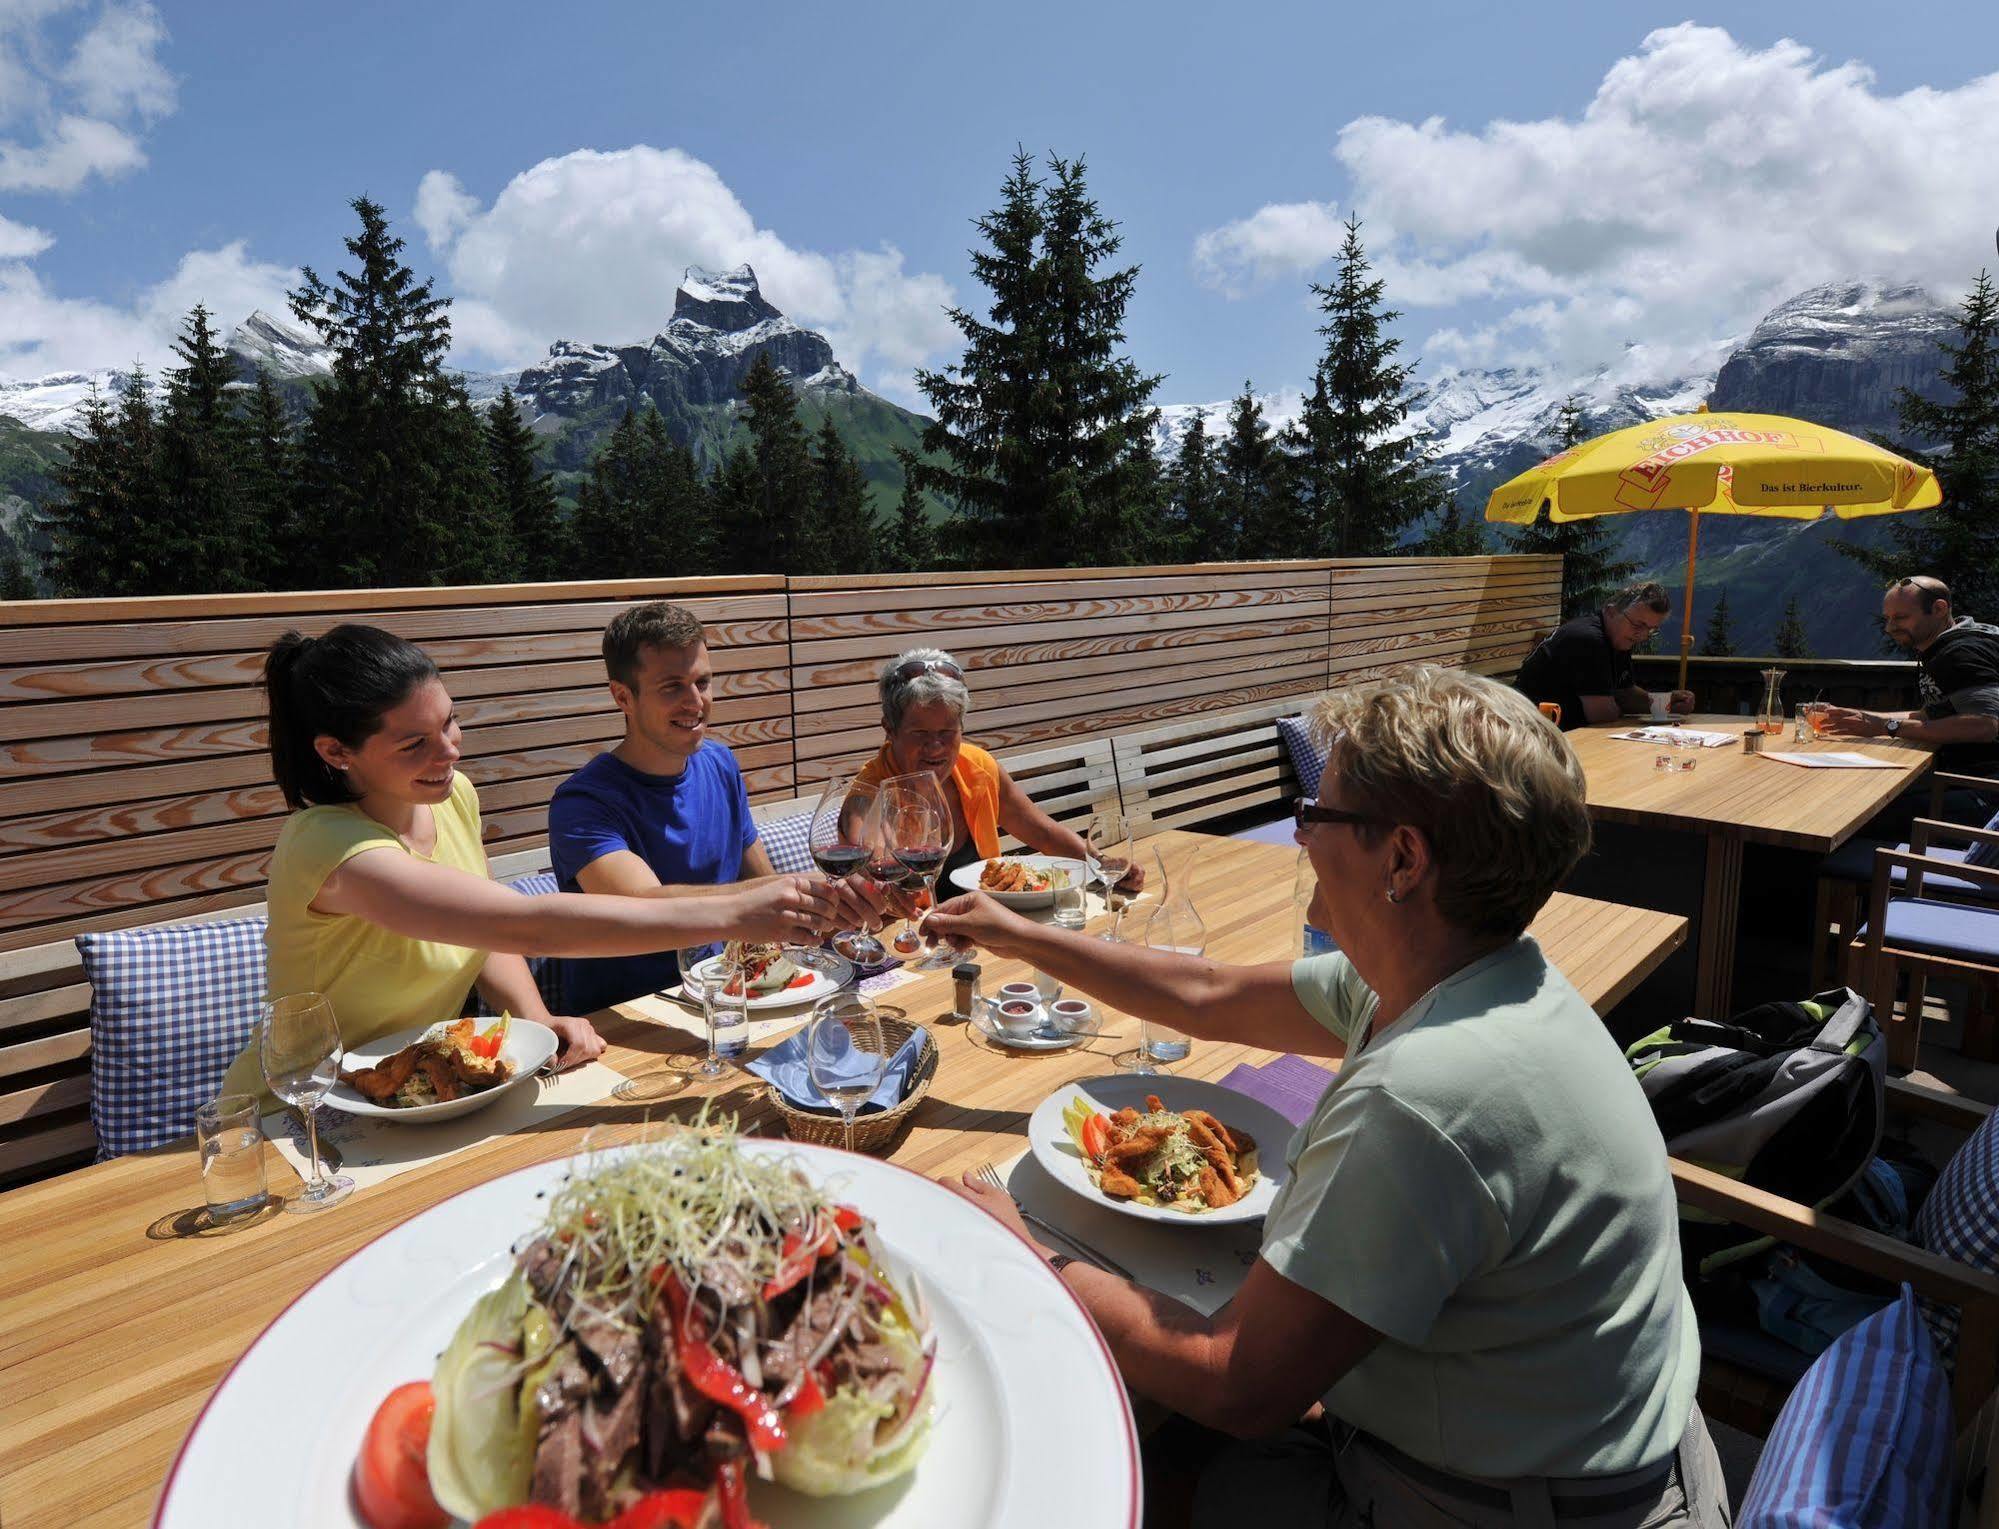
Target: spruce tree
{"x":203,"y":535}
{"x":1454,"y":535}
{"x":17,"y":581}
{"x":393,"y":485}
{"x":677,"y":534}
{"x":1252,"y":480}
{"x":1958,"y":541}
{"x":847,"y":527}
{"x":1790,"y":641}
{"x":642,"y":512}
{"x":262,"y":457}
{"x":1718,"y":643}
{"x":102,"y":529}
{"x":908,"y":543}
{"x":1038,"y":429}
{"x":1591,"y":568}
{"x":1201,"y":533}
{"x":538,"y":532}
{"x":776,"y":513}
{"x":1361,"y":465}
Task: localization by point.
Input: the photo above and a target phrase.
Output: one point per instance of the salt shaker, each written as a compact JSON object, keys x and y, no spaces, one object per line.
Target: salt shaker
{"x":965,"y":990}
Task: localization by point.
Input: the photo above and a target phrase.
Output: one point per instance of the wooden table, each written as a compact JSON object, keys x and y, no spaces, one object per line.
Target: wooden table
{"x":115,"y":1326}
{"x":1736,"y":798}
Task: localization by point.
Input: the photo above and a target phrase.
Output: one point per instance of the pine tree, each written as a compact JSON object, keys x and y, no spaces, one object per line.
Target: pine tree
{"x":263,"y":462}
{"x":908,"y":543}
{"x":1360,"y":465}
{"x":1959,"y":540}
{"x":203,"y":535}
{"x":1251,"y":483}
{"x":393,"y":484}
{"x":1790,"y":641}
{"x":17,"y":581}
{"x":1454,"y":535}
{"x":677,"y":534}
{"x":1591,"y":569}
{"x":643,"y":512}
{"x":1195,"y":490}
{"x":772,"y":516}
{"x":847,"y":527}
{"x":1718,"y":643}
{"x":101,"y":530}
{"x":538,"y":532}
{"x":1039,"y":425}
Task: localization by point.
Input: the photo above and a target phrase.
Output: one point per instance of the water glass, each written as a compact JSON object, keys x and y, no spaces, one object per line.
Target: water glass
{"x":301,"y":1051}
{"x":230,"y":1134}
{"x":846,"y":1053}
{"x":1677,"y":754}
{"x":1071,"y":905}
{"x":725,"y":1001}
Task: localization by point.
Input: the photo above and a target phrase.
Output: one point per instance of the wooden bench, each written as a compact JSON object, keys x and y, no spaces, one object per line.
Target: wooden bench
{"x":1206,"y":768}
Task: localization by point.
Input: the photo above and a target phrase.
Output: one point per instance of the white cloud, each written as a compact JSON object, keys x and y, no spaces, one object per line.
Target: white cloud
{"x":1704,"y":182}
{"x":590,"y":246}
{"x":1279,"y":239}
{"x":75,"y":120}
{"x":20,"y":242}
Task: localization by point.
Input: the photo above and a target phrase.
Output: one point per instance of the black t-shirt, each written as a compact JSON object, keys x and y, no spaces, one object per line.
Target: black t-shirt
{"x":1576,"y":660}
{"x":1960,"y":676}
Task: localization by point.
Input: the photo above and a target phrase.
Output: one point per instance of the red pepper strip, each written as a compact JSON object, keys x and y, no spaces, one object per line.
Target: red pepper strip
{"x":717,"y":1380}
{"x":808,"y":1399}
{"x":796,"y":1261}
{"x":529,"y":1516}
{"x":673,"y":1508}
{"x":734,"y":1494}
{"x":846,"y":1218}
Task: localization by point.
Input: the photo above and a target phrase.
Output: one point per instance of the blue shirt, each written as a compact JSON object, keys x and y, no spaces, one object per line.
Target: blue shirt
{"x":692,"y":829}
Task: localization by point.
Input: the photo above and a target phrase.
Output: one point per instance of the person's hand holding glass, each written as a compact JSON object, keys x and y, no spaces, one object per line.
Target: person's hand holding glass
{"x":846,"y":1054}
{"x":839,"y":842}
{"x":917,"y":825}
{"x":301,"y":1052}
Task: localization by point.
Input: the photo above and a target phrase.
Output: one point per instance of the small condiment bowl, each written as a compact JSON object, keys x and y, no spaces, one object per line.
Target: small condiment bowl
{"x":1015,"y":1017}
{"x":1071,"y":1015}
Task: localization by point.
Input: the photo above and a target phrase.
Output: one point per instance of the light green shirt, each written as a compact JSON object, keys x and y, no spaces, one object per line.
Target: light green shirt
{"x":1484,"y":1184}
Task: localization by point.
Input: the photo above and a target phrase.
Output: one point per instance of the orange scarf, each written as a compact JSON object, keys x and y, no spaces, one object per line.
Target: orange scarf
{"x":976,"y":778}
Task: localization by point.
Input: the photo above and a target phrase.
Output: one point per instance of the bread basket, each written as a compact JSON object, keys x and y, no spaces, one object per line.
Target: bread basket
{"x":879,"y":1132}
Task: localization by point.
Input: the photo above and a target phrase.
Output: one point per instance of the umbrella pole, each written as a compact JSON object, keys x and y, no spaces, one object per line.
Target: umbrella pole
{"x":1687,"y":606}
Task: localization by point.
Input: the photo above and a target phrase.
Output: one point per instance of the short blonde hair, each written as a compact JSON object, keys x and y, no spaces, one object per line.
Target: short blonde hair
{"x":1469,"y":763}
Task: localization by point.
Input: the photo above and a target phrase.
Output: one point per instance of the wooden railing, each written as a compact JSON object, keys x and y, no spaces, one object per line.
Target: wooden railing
{"x":1736,"y":684}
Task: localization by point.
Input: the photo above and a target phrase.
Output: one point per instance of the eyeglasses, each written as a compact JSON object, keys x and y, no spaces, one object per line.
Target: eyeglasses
{"x":916,"y":666}
{"x":1305,"y":810}
{"x":1643,"y":629}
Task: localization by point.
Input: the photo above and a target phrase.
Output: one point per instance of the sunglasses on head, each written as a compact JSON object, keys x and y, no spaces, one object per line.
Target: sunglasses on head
{"x":1306,"y":810}
{"x":916,"y":666}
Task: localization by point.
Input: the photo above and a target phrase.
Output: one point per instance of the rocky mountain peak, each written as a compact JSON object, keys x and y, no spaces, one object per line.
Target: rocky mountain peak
{"x":727,"y":301}
{"x":284,"y":350}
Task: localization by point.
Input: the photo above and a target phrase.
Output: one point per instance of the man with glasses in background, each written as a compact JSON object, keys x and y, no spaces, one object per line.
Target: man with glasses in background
{"x":1584,"y":666}
{"x":1957,"y":662}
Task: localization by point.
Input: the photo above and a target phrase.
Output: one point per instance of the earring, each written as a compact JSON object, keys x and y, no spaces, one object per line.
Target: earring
{"x":1392,"y":895}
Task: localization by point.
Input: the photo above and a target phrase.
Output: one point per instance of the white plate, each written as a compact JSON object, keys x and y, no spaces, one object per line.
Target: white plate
{"x":1048,"y":1139}
{"x":821,"y":984}
{"x":966,"y":879}
{"x":1032,"y":1426}
{"x":529,"y":1046}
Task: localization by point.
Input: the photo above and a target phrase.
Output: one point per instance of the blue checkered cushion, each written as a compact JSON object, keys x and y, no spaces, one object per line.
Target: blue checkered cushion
{"x":171,"y":1007}
{"x":1960,"y":1220}
{"x":788,"y":842}
{"x":1866,"y":1436}
{"x":547,"y":969}
{"x":1307,"y":758}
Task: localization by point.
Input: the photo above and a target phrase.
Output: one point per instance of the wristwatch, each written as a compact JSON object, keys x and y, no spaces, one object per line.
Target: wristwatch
{"x":1894,"y":726}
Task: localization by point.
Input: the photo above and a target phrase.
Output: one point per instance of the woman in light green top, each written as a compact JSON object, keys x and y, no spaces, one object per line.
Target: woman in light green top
{"x":1468,"y":1307}
{"x":379,"y":892}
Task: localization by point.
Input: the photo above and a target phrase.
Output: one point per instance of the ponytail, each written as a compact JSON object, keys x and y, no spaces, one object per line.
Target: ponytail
{"x":339,"y":685}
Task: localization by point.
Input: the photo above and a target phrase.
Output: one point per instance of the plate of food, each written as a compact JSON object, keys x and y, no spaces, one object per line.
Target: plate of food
{"x":776,"y":1333}
{"x":776,"y":981}
{"x":1018,"y":881}
{"x":421,"y":1076}
{"x":1162,"y":1148}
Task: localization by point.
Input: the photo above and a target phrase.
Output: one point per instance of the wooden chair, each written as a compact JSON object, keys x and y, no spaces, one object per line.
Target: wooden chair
{"x":1750,"y":1402}
{"x":1925,"y":936}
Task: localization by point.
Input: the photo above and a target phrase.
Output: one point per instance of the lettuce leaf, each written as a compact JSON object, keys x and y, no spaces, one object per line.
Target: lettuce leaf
{"x":483,"y":1434}
{"x":836,"y":1451}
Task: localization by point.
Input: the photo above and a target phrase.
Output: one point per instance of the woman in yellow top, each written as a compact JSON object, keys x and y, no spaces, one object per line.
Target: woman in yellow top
{"x":380,"y":896}
{"x":924,"y":701}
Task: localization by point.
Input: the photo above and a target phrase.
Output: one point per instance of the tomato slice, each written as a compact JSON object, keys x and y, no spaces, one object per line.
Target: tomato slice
{"x":391,"y":1481}
{"x":673,"y":1508}
{"x":803,"y":979}
{"x":1097,"y":1137}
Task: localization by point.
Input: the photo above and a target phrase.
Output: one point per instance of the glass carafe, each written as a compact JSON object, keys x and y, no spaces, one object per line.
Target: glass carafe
{"x":1770,"y":715}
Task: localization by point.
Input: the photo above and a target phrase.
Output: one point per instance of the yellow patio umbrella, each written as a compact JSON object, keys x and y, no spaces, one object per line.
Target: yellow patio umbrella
{"x":1716,"y":464}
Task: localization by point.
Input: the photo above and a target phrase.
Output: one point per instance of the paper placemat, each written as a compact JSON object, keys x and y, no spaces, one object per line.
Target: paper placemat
{"x":1199,"y":1266}
{"x":1834,"y":761}
{"x":373,"y":1150}
{"x":1707,"y":739}
{"x":1290,"y":1085}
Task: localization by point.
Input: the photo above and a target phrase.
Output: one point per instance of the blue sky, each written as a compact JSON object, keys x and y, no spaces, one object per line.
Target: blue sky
{"x":554,"y":166}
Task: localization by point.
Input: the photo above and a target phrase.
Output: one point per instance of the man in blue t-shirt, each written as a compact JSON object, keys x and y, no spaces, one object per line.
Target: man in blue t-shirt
{"x":662,"y":814}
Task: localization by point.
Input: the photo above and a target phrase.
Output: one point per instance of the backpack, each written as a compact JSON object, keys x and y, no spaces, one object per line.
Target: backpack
{"x":1787,"y":1097}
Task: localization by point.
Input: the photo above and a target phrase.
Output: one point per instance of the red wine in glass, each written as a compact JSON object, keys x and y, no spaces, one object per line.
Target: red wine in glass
{"x":888,"y":870}
{"x":838,"y":860}
{"x":922,"y":861}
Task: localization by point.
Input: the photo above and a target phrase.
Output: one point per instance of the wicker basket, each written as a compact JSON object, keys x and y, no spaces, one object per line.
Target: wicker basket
{"x":881,"y":1132}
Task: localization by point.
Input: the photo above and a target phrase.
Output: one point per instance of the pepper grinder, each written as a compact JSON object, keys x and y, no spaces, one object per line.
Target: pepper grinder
{"x":965,"y":991}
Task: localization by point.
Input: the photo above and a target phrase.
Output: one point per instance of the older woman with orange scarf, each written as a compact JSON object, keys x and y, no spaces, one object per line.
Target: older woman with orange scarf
{"x":924,"y":701}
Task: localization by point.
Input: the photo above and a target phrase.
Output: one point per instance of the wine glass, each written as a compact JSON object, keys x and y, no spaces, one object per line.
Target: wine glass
{"x":918,"y":827}
{"x":1108,"y":845}
{"x":301,"y":1051}
{"x":846,"y":1053}
{"x":840,"y":848}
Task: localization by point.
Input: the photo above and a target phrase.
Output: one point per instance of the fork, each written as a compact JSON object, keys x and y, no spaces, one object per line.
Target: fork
{"x":986,"y":1175}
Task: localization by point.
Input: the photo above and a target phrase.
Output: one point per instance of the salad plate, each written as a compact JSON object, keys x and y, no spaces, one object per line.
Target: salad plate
{"x":970,"y":878}
{"x":527,"y":1047}
{"x":787,"y":997}
{"x":1054,"y":1147}
{"x":1028,"y":1422}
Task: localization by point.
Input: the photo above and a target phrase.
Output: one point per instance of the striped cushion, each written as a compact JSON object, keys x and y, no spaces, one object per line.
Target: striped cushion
{"x":1866,"y":1436}
{"x":1307,"y":758}
{"x":547,"y":969}
{"x":788,"y":842}
{"x":171,"y":1006}
{"x":1960,"y":1220}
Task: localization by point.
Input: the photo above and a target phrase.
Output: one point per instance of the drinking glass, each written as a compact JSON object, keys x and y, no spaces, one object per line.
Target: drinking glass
{"x":930,"y":791}
{"x":840,"y":850}
{"x":725,"y":1003}
{"x":1109,"y":848}
{"x":1815,"y":714}
{"x":1174,"y":926}
{"x":301,"y":1051}
{"x":915,"y":835}
{"x":231,"y":1138}
{"x":846,"y":1053}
